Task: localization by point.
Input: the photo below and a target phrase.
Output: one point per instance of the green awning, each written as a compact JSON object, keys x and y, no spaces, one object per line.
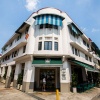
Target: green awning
{"x":88,"y":67}
{"x":47,"y":61}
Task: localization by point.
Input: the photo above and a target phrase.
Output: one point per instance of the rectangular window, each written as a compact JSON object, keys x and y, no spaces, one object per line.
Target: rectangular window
{"x":88,"y":45}
{"x":90,"y":59}
{"x":40,"y":46}
{"x":24,"y":49}
{"x":86,"y":57}
{"x":76,"y":52}
{"x":73,"y":50}
{"x":47,"y":45}
{"x":41,"y":26}
{"x":84,"y":42}
{"x":56,"y":46}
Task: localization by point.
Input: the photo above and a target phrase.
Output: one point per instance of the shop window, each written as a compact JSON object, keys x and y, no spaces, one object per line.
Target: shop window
{"x":56,"y":46}
{"x":40,"y":46}
{"x":47,"y":45}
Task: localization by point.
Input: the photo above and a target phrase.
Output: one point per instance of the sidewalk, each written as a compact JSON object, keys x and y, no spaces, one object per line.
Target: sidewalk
{"x":13,"y":94}
{"x":88,"y":95}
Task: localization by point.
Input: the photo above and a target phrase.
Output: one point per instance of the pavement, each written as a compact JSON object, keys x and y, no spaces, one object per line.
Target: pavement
{"x":14,"y":94}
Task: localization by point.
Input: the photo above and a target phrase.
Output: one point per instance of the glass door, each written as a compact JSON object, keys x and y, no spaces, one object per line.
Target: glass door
{"x":49,"y":74}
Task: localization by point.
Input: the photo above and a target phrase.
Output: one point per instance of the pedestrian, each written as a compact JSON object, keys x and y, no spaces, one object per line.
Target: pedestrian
{"x":44,"y":84}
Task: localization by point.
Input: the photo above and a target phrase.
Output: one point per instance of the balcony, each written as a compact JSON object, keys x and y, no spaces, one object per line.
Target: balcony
{"x":79,"y":47}
{"x":15,"y":46}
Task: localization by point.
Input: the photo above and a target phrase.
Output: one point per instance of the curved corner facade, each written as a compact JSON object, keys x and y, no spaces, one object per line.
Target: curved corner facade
{"x":48,"y":44}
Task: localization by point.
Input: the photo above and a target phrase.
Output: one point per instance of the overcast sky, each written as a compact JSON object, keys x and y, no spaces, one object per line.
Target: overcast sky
{"x":85,"y":13}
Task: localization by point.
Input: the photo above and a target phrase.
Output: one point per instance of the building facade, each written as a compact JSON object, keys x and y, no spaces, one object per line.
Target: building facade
{"x":49,"y":44}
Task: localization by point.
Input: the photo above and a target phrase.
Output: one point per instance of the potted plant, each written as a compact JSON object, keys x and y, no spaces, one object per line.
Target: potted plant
{"x":74,"y":82}
{"x":20,"y":80}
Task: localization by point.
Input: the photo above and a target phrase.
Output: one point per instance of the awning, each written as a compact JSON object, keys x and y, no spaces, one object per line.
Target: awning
{"x":75,"y":29}
{"x":48,"y":19}
{"x":47,"y":61}
{"x":86,"y":66}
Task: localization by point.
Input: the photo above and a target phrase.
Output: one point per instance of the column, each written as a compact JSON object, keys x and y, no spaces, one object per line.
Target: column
{"x":65,"y":77}
{"x":84,"y":74}
{"x":8,"y":78}
{"x":28,"y":78}
{"x":3,"y":72}
{"x":17,"y":72}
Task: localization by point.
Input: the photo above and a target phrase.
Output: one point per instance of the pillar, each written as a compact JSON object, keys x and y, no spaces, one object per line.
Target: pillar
{"x":8,"y":78}
{"x":3,"y":72}
{"x":65,"y":77}
{"x":84,"y":74}
{"x":17,"y":72}
{"x":28,"y":78}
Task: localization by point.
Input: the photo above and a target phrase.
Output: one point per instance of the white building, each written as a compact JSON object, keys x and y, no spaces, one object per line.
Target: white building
{"x":49,"y":44}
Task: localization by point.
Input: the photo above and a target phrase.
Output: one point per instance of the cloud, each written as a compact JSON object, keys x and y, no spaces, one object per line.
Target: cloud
{"x":95,"y":30}
{"x":84,"y":29}
{"x":81,"y":2}
{"x":31,"y":4}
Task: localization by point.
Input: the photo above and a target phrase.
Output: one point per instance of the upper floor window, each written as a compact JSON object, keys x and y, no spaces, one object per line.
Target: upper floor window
{"x":47,"y":45}
{"x":40,"y":46}
{"x":84,"y":42}
{"x":56,"y":46}
{"x":86,"y":57}
{"x":73,"y":50}
{"x":48,"y":26}
{"x":19,"y":37}
{"x":90,"y":59}
{"x":26,"y":31}
{"x":76,"y":52}
{"x":24,"y":49}
{"x":88,"y":45}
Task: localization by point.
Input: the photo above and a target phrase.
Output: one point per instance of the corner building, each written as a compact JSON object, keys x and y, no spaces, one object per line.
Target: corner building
{"x":48,"y":44}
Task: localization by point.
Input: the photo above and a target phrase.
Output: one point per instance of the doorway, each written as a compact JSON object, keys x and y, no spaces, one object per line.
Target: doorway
{"x":52,"y":75}
{"x":49,"y":74}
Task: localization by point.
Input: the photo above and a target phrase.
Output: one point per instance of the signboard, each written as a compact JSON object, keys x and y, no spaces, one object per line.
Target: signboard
{"x":63,"y":74}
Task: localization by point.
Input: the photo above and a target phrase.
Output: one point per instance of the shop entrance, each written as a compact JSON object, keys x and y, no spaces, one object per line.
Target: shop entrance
{"x":52,"y":76}
{"x":49,"y":74}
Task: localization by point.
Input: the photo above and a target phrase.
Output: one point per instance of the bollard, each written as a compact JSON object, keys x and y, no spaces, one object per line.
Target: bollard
{"x":57,"y":94}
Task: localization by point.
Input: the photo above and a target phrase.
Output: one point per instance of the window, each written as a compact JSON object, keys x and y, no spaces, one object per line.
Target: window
{"x":55,"y":38}
{"x":86,"y":57}
{"x":40,"y":46}
{"x":88,"y":45}
{"x":73,"y":50}
{"x":47,"y":45}
{"x":19,"y":37}
{"x":90,"y":59}
{"x":26,"y":31}
{"x":48,"y":38}
{"x":24,"y":49}
{"x":41,"y":26}
{"x":56,"y":46}
{"x":40,"y":38}
{"x":84,"y":42}
{"x":76,"y":52}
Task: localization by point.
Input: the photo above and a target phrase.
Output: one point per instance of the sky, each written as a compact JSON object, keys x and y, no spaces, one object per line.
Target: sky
{"x":85,"y":13}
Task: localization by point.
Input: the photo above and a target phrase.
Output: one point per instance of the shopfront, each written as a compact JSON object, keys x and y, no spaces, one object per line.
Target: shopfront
{"x":52,"y":75}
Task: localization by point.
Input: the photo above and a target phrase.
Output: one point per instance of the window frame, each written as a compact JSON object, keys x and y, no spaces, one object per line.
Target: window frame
{"x":48,"y":45}
{"x":39,"y":45}
{"x":56,"y":49}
